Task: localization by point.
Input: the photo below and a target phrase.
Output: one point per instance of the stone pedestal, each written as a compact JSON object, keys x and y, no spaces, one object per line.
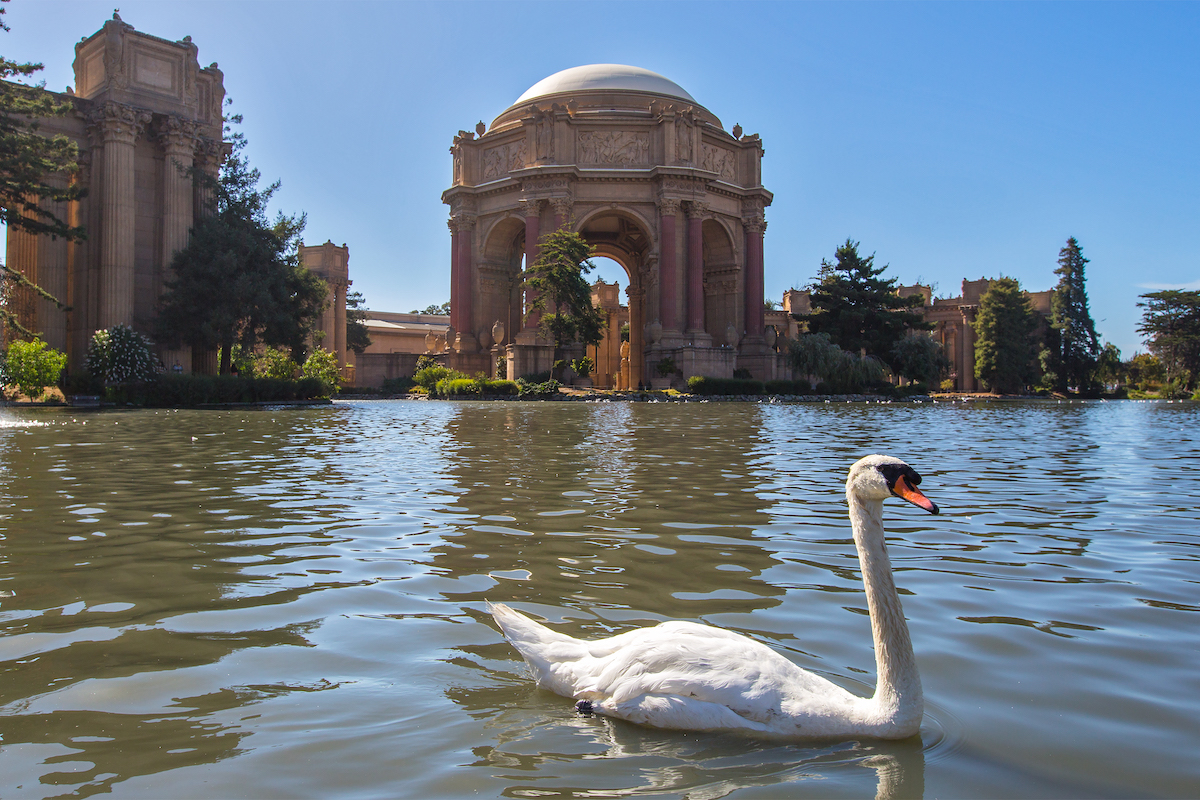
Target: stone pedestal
{"x":529,"y":358}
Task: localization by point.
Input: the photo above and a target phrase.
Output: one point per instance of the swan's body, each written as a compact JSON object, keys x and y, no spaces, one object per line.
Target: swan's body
{"x":686,"y":676}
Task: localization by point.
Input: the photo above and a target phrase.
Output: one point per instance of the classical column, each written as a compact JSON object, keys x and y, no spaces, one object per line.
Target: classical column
{"x":754,"y":226}
{"x":52,"y":261}
{"x":455,"y":278}
{"x":466,"y":316}
{"x":339,"y":323}
{"x":667,"y":300}
{"x":637,"y":321}
{"x":117,"y":126}
{"x":22,"y":256}
{"x":178,"y":139}
{"x":209,"y":154}
{"x":533,"y":225}
{"x":695,"y":274}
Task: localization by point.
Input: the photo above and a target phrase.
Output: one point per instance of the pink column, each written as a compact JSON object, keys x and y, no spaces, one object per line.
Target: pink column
{"x":666,"y":266}
{"x":533,"y":225}
{"x":695,"y":276}
{"x":466,"y":313}
{"x":754,"y":276}
{"x":455,"y":276}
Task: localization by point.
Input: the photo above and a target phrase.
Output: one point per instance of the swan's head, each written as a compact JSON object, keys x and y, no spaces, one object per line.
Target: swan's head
{"x":880,"y":477}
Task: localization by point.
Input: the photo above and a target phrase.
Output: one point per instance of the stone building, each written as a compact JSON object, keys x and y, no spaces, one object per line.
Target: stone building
{"x":145,"y":112}
{"x":652,"y":180}
{"x":331,"y":263}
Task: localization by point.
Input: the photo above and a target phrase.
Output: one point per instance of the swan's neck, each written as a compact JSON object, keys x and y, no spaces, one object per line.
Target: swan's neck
{"x":898,"y":697}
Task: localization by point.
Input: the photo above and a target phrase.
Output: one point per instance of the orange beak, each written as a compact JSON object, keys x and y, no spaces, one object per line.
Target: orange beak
{"x":913,"y":495}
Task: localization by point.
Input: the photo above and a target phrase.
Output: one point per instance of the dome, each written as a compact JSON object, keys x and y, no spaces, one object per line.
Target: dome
{"x":605,"y":77}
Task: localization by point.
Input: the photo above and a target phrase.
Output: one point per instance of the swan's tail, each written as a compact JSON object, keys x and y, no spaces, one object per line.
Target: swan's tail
{"x":551,"y":656}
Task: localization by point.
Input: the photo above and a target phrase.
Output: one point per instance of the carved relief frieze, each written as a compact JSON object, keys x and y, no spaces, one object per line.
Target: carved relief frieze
{"x":614,"y":148}
{"x":543,"y":134}
{"x":502,"y":159}
{"x":718,"y":160}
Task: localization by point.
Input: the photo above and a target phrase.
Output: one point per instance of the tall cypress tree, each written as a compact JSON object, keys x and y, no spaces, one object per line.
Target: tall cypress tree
{"x":1004,"y":345}
{"x":1074,"y":346}
{"x":859,"y":310}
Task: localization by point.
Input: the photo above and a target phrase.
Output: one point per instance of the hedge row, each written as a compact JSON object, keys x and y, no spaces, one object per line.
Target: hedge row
{"x":474,"y":387}
{"x":172,"y":391}
{"x":704,"y":385}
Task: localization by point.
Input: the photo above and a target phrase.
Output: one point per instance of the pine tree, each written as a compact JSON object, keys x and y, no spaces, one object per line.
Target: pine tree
{"x":858,"y":309}
{"x":29,"y":162}
{"x":239,"y":279}
{"x":358,"y":338}
{"x":557,"y":279}
{"x":1074,"y":346}
{"x":1171,"y":325}
{"x":1004,"y":344}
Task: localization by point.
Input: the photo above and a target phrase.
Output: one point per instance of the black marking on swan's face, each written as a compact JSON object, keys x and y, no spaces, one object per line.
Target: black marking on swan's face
{"x":892,"y":472}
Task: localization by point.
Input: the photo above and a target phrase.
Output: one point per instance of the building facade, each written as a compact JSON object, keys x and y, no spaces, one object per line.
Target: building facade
{"x":646,"y":175}
{"x":145,"y":113}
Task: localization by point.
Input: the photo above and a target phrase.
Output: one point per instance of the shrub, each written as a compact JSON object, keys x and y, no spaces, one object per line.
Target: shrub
{"x":535,"y":377}
{"x":666,"y":368}
{"x":121,"y":355}
{"x":322,"y":365}
{"x":32,"y":366}
{"x":397,"y":385}
{"x":705,"y":385}
{"x":742,"y":374}
{"x":583,"y":366}
{"x":429,"y":377}
{"x":545,"y":388}
{"x":947,"y":385}
{"x":457,"y":387}
{"x":273,"y":363}
{"x":500,"y":388}
{"x":783,"y":386}
{"x":424,"y":362}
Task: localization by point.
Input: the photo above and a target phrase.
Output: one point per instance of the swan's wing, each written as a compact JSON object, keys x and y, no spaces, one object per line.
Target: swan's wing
{"x":698,"y":665}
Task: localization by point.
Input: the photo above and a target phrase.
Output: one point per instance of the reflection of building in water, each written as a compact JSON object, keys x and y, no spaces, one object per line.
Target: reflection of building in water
{"x":953,"y":318}
{"x":633,"y":512}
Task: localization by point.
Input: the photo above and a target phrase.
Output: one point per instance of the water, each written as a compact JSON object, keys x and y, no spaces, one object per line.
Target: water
{"x":291,"y":603}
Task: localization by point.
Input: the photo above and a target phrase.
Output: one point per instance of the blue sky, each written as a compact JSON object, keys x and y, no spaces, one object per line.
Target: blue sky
{"x":954,"y":140}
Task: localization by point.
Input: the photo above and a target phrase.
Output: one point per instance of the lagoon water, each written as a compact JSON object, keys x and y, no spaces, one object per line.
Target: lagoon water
{"x":291,"y":602}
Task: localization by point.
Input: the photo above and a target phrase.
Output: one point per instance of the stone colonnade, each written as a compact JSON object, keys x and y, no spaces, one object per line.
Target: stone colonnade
{"x":145,"y":113}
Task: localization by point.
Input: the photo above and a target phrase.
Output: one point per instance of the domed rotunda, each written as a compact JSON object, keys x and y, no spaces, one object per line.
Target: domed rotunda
{"x":651,"y":179}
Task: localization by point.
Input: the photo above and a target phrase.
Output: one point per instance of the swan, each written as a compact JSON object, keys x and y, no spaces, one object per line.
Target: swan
{"x":687,"y":676}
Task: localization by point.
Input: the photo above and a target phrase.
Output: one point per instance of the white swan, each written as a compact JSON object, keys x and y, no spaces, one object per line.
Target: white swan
{"x":686,"y":676}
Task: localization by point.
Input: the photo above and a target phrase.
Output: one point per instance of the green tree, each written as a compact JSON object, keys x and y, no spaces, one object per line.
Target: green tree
{"x":275,"y":363}
{"x":919,"y":358}
{"x":435,"y":310}
{"x":1004,"y":345}
{"x":239,"y":279}
{"x":1073,"y":345}
{"x":859,"y":310}
{"x":358,"y":338}
{"x":1171,"y":327}
{"x":33,"y":366}
{"x":35,"y":169}
{"x":557,"y":279}
{"x":1109,"y":368}
{"x":815,"y":354}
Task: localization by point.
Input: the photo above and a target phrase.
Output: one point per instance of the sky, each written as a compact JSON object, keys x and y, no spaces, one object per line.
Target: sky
{"x":952,"y":140}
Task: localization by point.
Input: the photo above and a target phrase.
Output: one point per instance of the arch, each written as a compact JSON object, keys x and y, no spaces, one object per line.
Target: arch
{"x":722,"y":289}
{"x":499,"y":277}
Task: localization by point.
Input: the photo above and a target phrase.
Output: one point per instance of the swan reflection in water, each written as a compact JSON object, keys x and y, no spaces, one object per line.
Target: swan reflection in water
{"x":540,"y":748}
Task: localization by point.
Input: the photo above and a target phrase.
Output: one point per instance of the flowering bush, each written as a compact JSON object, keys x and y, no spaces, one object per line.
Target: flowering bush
{"x":121,"y":355}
